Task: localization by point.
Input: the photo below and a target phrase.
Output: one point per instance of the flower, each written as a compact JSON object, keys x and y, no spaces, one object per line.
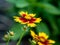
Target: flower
{"x":41,"y":39}
{"x":28,"y":19}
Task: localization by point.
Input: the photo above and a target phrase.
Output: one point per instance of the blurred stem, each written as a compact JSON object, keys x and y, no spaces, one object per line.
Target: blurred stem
{"x":24,"y":28}
{"x":7,"y":43}
{"x":18,"y":43}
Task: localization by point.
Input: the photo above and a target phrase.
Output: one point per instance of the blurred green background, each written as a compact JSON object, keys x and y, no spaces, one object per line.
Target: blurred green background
{"x":48,"y":10}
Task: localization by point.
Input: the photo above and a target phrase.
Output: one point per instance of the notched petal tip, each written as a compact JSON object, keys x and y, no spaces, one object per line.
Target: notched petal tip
{"x":51,"y":41}
{"x":31,"y":25}
{"x":32,"y":33}
{"x":38,"y":20}
{"x":32,"y":15}
{"x":42,"y":34}
{"x":23,"y":13}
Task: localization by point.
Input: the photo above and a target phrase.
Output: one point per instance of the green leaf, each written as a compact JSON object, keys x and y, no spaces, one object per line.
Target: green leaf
{"x":57,"y":43}
{"x":45,"y":0}
{"x":52,"y":22}
{"x":42,"y":27}
{"x":11,"y":1}
{"x":18,"y":31}
{"x":21,"y":3}
{"x":58,"y":23}
{"x":49,"y":8}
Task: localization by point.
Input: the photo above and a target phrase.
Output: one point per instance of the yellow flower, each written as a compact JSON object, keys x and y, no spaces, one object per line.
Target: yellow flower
{"x":28,"y":19}
{"x":42,"y":38}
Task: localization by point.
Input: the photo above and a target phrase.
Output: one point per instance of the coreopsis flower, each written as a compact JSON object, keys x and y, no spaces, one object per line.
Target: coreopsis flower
{"x":41,"y":39}
{"x":28,"y":19}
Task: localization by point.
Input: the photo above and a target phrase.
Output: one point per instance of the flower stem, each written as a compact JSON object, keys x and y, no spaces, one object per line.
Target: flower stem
{"x":18,"y":43}
{"x":8,"y":42}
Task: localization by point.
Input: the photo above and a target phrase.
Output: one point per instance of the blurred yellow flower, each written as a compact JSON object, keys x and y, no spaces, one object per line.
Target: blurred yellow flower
{"x":28,"y":19}
{"x":41,"y":39}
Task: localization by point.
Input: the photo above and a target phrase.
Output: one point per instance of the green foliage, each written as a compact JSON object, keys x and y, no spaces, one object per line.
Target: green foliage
{"x":51,"y":19}
{"x":42,"y":27}
{"x":31,"y":42}
{"x":19,"y":3}
{"x":11,"y":1}
{"x":22,"y":3}
{"x":49,"y":8}
{"x":18,"y":30}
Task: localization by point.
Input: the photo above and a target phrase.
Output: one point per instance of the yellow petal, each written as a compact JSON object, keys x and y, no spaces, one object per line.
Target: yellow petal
{"x":41,"y":39}
{"x":27,"y":17}
{"x":39,"y":43}
{"x":38,"y":20}
{"x":16,"y":19}
{"x":49,"y":44}
{"x":23,"y":22}
{"x":51,"y":41}
{"x":31,"y":25}
{"x":32,"y":15}
{"x":32,"y":33}
{"x":42,"y":34}
{"x":22,"y":12}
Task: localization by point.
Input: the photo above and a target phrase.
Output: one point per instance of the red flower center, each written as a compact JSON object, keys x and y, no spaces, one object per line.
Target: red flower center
{"x":27,"y":20}
{"x":24,"y":15}
{"x":45,"y":42}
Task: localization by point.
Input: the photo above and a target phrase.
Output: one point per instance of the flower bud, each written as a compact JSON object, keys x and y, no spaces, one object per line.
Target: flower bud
{"x":6,"y":36}
{"x":11,"y":33}
{"x":25,"y":27}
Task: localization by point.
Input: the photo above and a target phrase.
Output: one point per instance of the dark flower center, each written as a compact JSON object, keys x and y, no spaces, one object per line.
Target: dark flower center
{"x":27,"y":20}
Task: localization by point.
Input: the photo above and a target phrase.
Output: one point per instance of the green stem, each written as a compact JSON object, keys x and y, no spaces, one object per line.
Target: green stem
{"x":18,"y":43}
{"x":8,"y":42}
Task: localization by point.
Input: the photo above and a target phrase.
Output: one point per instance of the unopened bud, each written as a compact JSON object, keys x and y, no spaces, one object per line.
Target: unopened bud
{"x":6,"y":36}
{"x":25,"y":27}
{"x":11,"y":33}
